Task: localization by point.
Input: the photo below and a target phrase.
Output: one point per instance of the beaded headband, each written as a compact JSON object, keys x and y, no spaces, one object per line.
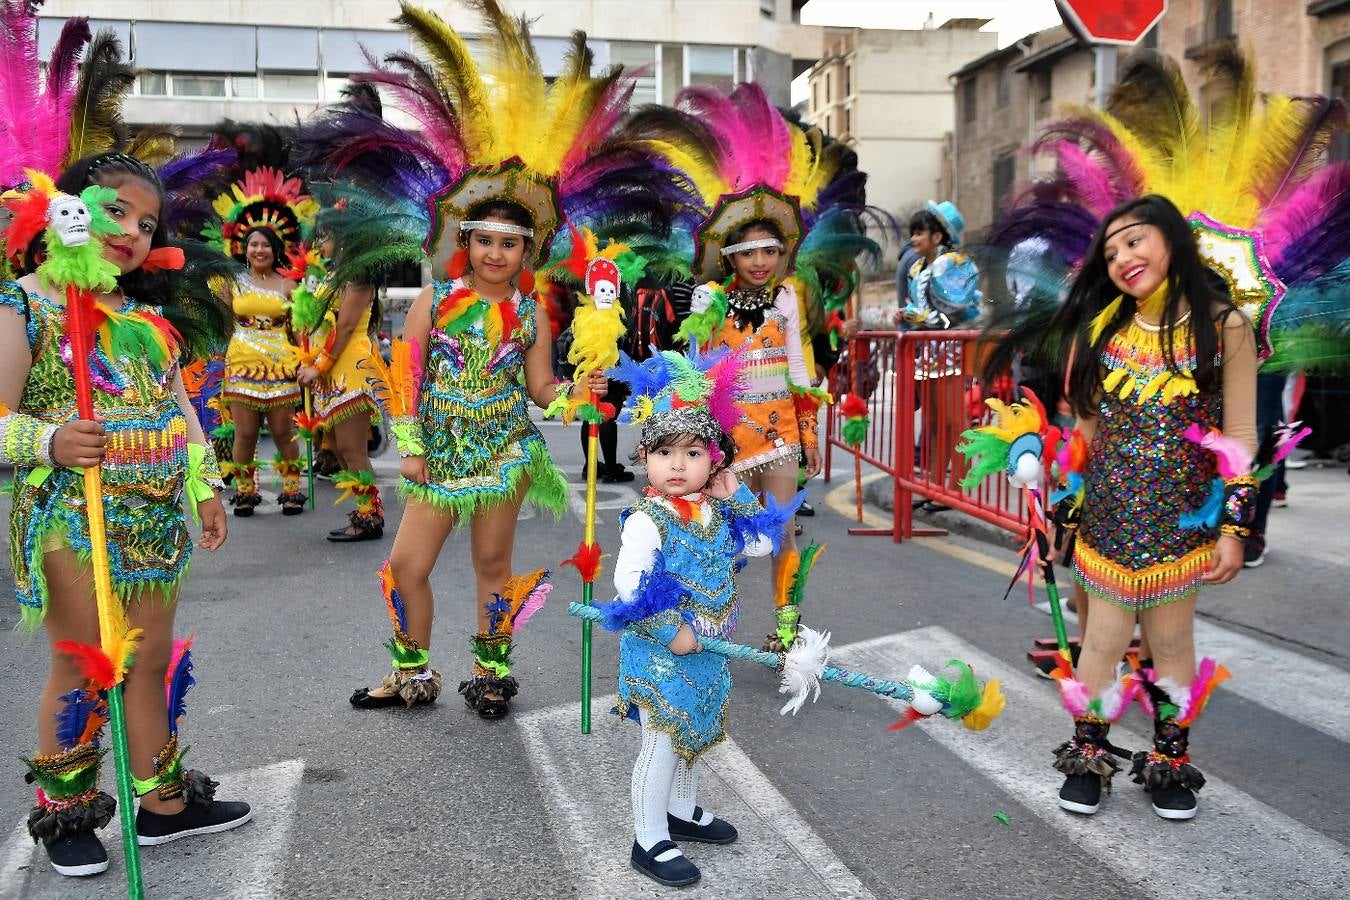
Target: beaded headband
{"x":499,"y":227}
{"x":756,"y":244}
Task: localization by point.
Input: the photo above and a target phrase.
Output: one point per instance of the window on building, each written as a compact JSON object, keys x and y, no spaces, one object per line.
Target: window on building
{"x":848,"y":80}
{"x":672,"y":71}
{"x":815,"y":96}
{"x":641,"y":57}
{"x":244,"y":86}
{"x":199,"y":85}
{"x":829,"y":88}
{"x":1340,"y":88}
{"x":1221,"y":19}
{"x":1004,"y":86}
{"x":290,"y":85}
{"x":712,"y":65}
{"x":846,"y":123}
{"x":153,"y":84}
{"x":968,"y":99}
{"x":1004,"y":169}
{"x":1043,"y":84}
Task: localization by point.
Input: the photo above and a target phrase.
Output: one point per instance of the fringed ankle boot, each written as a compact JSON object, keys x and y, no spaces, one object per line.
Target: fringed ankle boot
{"x":1166,"y":771}
{"x":70,"y":806}
{"x":246,"y":497}
{"x":1085,"y":759}
{"x":489,"y":691}
{"x":367,"y":520}
{"x":292,"y":497}
{"x":412,"y":680}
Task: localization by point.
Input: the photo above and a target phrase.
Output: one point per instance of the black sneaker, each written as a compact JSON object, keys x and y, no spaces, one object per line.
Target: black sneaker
{"x":78,"y":855}
{"x":1173,"y":802}
{"x":1081,"y":794}
{"x":1254,"y":550}
{"x":672,"y":873}
{"x":718,"y":831}
{"x":806,"y":509}
{"x":219,"y":815}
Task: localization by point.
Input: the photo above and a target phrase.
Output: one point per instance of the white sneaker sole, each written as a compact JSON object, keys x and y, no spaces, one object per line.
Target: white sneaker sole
{"x":1081,"y":808}
{"x":1177,"y":815}
{"x":81,"y":871}
{"x":144,"y":841}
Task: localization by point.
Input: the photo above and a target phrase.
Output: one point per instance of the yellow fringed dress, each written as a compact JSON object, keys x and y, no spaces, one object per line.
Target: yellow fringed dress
{"x":261,"y":361}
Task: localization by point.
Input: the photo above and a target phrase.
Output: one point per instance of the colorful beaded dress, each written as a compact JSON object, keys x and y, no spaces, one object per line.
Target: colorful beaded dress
{"x":261,"y":362}
{"x":1143,"y":475}
{"x":473,"y":410}
{"x":143,"y":472}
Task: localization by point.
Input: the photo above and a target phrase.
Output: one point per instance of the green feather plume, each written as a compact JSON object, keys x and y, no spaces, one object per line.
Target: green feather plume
{"x":987,"y":454}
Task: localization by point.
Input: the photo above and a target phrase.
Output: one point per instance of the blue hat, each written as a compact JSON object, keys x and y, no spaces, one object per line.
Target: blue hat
{"x":950,"y":217}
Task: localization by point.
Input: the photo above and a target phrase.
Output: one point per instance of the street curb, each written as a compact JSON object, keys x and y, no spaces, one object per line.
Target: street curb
{"x":877,"y":493}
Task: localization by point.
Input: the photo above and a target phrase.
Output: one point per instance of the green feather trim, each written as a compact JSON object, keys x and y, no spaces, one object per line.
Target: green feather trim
{"x":492,"y":652}
{"x":60,"y":785}
{"x":987,"y":454}
{"x":960,"y":695}
{"x":406,"y":657}
{"x":548,"y":490}
{"x":855,"y":431}
{"x":631,"y":267}
{"x":307,"y":310}
{"x":808,"y":561}
{"x":1317,"y":348}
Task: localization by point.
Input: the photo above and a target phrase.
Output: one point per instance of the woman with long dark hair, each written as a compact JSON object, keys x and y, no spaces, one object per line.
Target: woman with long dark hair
{"x":1149,"y":349}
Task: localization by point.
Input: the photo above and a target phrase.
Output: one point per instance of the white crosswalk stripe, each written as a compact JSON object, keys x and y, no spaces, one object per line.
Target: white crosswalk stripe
{"x":247,"y":863}
{"x":1237,"y":846}
{"x":585,"y":780}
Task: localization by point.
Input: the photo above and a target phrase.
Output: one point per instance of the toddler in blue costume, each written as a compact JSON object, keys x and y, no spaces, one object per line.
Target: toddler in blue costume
{"x":673,"y":576}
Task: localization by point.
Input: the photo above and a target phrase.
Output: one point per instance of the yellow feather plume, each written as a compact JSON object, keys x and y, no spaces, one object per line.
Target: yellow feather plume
{"x":595,"y":337}
{"x":449,"y":55}
{"x":1011,"y":421}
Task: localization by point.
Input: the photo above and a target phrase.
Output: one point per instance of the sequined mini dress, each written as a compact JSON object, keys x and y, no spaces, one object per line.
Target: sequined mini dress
{"x":261,"y":362}
{"x":1143,"y":475}
{"x":143,"y":472}
{"x":474,"y":414}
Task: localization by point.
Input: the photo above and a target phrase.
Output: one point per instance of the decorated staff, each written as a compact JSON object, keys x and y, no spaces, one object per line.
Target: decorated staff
{"x":309,"y":312}
{"x":597,"y":327}
{"x":855,"y":415}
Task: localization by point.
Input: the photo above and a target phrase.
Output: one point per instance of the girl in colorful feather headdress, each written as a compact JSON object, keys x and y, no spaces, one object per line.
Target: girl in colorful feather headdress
{"x":769,"y":189}
{"x":673,"y":575}
{"x":98,"y":235}
{"x":1152,"y":352}
{"x":480,"y":188}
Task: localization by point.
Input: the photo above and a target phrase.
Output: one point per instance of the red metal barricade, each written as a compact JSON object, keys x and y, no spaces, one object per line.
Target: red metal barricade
{"x":919,"y":387}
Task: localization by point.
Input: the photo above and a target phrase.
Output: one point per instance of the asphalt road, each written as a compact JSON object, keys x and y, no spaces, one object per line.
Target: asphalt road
{"x":435,"y":803}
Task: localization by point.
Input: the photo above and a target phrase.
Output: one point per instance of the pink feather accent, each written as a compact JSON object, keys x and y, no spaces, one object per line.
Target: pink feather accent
{"x":1091,"y":180}
{"x":1287,"y":437}
{"x":532,"y":604}
{"x":1300,"y":218}
{"x":419,"y":94}
{"x":727,"y":387}
{"x":35,"y":123}
{"x":1232,"y":458}
{"x":604,"y":120}
{"x":1120,"y":164}
{"x":753,"y":141}
{"x":1074,"y":695}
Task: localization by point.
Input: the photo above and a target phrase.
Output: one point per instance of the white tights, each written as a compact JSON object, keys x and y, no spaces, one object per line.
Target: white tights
{"x":662,"y":783}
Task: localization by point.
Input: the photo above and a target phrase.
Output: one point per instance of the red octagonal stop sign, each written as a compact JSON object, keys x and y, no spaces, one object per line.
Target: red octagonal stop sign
{"x":1111,"y":21}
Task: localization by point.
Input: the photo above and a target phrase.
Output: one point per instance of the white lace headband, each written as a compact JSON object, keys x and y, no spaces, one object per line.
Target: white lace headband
{"x":752,"y":245}
{"x":499,"y":227}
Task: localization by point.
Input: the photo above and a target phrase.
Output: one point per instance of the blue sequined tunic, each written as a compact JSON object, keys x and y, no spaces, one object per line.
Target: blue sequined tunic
{"x":686,"y":696}
{"x":1142,"y":475}
{"x":143,"y":471}
{"x":474,"y":413}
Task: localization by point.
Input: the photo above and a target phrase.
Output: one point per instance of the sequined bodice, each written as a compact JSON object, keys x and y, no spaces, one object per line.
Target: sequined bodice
{"x":699,"y":556}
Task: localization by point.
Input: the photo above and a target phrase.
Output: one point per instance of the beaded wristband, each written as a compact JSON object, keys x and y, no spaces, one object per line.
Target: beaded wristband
{"x":26,"y":440}
{"x":1239,"y":506}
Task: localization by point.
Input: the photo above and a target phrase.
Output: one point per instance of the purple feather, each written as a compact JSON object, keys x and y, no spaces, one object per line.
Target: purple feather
{"x":73,"y":717}
{"x":658,"y":591}
{"x":1325,"y":117}
{"x":177,"y":681}
{"x":1310,"y":234}
{"x":771,"y":522}
{"x":1097,"y":138}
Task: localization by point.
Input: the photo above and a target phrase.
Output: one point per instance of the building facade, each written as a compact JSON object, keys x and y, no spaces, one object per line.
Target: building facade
{"x":1004,"y":98}
{"x":886,"y":94}
{"x":268,"y":60}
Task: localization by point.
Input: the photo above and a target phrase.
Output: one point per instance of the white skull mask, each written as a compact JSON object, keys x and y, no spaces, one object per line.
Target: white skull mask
{"x":311,"y":283}
{"x":700,"y":299}
{"x":69,"y":217}
{"x":605,"y":293}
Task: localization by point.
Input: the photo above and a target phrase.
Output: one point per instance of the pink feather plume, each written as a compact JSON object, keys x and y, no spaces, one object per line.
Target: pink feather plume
{"x":727,"y":387}
{"x":1287,"y":437}
{"x":1232,"y":458}
{"x":533,"y":603}
{"x":35,"y":122}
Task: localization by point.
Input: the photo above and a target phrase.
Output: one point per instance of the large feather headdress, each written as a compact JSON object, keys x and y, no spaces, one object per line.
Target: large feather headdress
{"x":496,"y":131}
{"x":678,"y":393}
{"x":1268,"y":215}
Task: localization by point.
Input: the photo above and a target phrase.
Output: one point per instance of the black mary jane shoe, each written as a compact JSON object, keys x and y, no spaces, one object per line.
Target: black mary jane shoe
{"x":675,"y":872}
{"x":718,"y":831}
{"x":343,"y":536}
{"x":362,"y":698}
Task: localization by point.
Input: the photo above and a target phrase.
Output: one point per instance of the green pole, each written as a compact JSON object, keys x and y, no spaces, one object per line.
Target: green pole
{"x":126,"y":797}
